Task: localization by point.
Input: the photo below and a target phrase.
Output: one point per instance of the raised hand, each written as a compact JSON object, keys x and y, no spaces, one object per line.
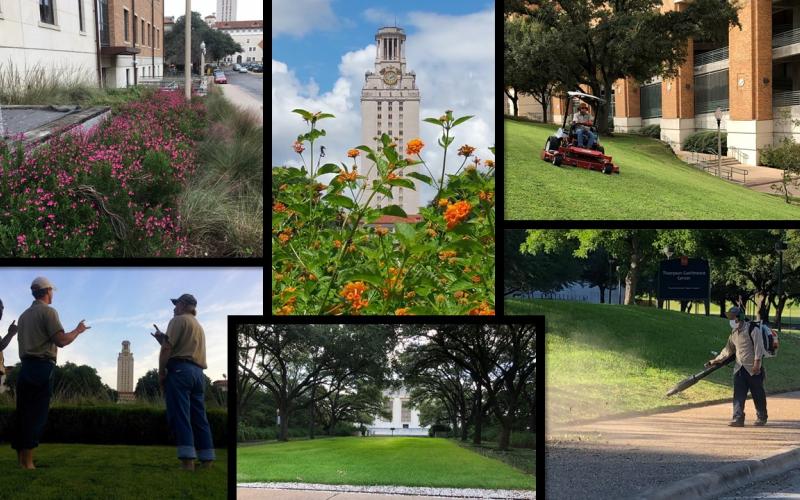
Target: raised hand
{"x":12,"y":328}
{"x":81,"y":327}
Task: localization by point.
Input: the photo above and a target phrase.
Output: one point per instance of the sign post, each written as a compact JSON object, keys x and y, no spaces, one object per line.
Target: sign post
{"x":684,"y":279}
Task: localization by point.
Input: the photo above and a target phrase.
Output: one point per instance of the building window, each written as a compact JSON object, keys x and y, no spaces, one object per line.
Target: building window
{"x":405,"y":411}
{"x":143,"y":33}
{"x":710,"y":92}
{"x":650,"y":100}
{"x":405,"y":426}
{"x":125,"y":20}
{"x":80,"y":15}
{"x":127,"y":77}
{"x":379,"y":116}
{"x":47,"y":12}
{"x":147,"y":35}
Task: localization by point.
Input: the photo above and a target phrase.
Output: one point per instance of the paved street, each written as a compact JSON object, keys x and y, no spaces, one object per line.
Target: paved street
{"x":252,"y":83}
{"x":616,"y":458}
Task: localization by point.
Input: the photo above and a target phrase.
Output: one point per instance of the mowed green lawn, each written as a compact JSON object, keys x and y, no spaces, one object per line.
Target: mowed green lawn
{"x":653,"y":184}
{"x":83,"y":471}
{"x":399,"y":461}
{"x":604,"y":359}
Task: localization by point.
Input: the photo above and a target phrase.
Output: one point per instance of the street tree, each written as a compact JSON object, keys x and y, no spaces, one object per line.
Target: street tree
{"x":218,"y":43}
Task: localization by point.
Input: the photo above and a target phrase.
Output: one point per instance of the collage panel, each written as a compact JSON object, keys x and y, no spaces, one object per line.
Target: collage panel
{"x":387,"y":410}
{"x":114,"y":381}
{"x":383,"y":158}
{"x":689,"y":107}
{"x":663,"y":348}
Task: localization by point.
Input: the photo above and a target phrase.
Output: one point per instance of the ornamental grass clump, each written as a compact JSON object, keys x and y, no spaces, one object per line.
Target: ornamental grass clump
{"x":332,"y":255}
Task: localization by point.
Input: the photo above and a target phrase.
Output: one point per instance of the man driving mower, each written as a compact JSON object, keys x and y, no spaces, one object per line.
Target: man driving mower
{"x":582,"y":120}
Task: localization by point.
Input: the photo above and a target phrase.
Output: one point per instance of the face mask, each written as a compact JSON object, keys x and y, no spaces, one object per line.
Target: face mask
{"x":733,"y":323}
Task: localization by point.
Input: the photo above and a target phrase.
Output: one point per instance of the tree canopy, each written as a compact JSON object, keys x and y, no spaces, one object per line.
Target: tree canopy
{"x":218,"y":43}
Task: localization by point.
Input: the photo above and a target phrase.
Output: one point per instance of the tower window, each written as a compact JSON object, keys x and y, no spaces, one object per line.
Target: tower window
{"x":379,"y":116}
{"x":401,"y":132}
{"x":390,"y":116}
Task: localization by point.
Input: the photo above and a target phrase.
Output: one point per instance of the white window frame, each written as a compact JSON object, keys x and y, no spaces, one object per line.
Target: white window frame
{"x":81,"y":18}
{"x":49,"y":26}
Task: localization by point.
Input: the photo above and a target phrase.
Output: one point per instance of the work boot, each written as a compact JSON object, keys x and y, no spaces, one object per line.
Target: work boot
{"x":736,"y":423}
{"x":761,"y":422}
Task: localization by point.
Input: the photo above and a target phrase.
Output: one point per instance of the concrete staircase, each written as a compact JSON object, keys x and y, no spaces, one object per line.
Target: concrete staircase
{"x":727,"y":168}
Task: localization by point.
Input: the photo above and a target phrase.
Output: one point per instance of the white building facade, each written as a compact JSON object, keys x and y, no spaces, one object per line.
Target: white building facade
{"x":390,"y":105}
{"x":248,"y":34}
{"x":58,"y":39}
{"x":404,"y":421}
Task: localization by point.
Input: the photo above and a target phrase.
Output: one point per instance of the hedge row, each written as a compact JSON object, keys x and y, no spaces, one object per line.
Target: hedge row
{"x":112,"y":425}
{"x":705,"y":142}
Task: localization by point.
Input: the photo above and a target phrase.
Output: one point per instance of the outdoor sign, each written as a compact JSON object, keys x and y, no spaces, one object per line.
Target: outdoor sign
{"x":683,"y":279}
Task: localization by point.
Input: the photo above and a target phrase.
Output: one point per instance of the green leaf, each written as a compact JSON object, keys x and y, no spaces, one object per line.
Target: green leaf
{"x":384,"y":191}
{"x":491,"y":149}
{"x":393,"y":210}
{"x":366,"y":149}
{"x":315,"y":134}
{"x":405,"y":233}
{"x":328,"y":168}
{"x":435,"y":121}
{"x":462,"y":119}
{"x":325,"y":115}
{"x":339,"y":200}
{"x":305,"y":114}
{"x":460,"y":285}
{"x":402,"y":183}
{"x":424,"y":178}
{"x":385,"y":140}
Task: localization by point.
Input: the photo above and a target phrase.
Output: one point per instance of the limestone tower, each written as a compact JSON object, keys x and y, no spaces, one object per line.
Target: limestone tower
{"x":390,"y":105}
{"x":125,"y":372}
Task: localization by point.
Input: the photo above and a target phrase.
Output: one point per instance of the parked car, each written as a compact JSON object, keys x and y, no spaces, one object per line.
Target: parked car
{"x":236,"y":67}
{"x":219,"y":77}
{"x":242,"y":69}
{"x":257,"y":68}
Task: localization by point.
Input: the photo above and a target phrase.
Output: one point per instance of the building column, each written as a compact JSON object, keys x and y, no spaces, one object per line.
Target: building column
{"x":627,"y":110}
{"x":677,"y":97}
{"x":750,"y":82}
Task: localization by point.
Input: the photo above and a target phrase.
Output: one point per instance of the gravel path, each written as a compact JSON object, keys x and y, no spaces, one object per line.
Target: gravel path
{"x":400,"y":490}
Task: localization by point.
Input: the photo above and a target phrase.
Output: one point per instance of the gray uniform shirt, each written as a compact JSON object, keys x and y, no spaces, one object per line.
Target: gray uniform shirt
{"x":747,"y":345}
{"x":36,"y":328}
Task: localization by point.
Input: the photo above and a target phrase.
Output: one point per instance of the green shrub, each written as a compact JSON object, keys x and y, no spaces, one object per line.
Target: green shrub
{"x":784,"y":155}
{"x":250,"y":433}
{"x":705,"y":142}
{"x":439,"y":429}
{"x":653,"y":131}
{"x":118,"y":424}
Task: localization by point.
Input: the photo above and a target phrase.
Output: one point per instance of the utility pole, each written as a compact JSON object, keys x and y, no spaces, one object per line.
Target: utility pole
{"x":187,"y":58}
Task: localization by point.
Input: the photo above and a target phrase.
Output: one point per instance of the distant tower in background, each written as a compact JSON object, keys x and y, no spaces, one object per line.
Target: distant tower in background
{"x":125,"y":373}
{"x":226,"y":10}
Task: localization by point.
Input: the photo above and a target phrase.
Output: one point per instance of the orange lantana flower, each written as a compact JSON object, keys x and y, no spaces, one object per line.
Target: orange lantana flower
{"x":456,"y":213}
{"x":353,"y":153}
{"x":352,"y":293}
{"x":414,"y":147}
{"x":403,"y":311}
{"x":465,"y":150}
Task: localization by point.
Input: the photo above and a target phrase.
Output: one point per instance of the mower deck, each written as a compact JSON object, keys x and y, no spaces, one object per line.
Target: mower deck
{"x":581,"y":158}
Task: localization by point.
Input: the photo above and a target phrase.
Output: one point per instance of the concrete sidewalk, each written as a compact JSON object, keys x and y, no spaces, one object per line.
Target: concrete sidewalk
{"x":623,"y":457}
{"x":243,"y":100}
{"x":267,"y":494}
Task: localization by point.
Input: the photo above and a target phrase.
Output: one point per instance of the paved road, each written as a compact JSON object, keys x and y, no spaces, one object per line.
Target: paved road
{"x":618,"y":458}
{"x":252,"y":83}
{"x":786,"y":486}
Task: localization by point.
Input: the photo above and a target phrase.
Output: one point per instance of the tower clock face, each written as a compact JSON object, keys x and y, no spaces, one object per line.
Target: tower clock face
{"x":390,"y":77}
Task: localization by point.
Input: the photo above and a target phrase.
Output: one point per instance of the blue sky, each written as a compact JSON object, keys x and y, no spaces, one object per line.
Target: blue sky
{"x":322,"y":48}
{"x":348,"y":26}
{"x":122,"y":304}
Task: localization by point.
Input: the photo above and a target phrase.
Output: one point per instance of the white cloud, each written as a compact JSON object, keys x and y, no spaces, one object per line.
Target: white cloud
{"x":453,"y":57}
{"x":298,"y":17}
{"x":378,"y":16}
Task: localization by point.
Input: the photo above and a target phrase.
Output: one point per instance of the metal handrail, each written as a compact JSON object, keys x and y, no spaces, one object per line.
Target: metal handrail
{"x":711,"y":56}
{"x":786,"y":98}
{"x":786,"y":38}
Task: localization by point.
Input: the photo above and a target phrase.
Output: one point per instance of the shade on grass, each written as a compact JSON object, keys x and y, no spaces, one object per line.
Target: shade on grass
{"x":399,"y":461}
{"x":78,"y":471}
{"x":653,"y":184}
{"x":604,"y":359}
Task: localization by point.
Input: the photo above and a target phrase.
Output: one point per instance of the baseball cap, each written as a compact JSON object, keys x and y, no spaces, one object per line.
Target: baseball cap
{"x":42,"y":283}
{"x":186,"y":298}
{"x":734,"y":312}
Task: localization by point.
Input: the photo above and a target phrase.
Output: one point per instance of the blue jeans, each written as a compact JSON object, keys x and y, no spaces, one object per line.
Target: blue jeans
{"x":742,"y":382}
{"x":589,"y":136}
{"x":186,"y":411}
{"x":34,"y":389}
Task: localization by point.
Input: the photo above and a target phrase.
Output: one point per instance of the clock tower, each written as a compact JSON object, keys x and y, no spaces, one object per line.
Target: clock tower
{"x":390,"y":105}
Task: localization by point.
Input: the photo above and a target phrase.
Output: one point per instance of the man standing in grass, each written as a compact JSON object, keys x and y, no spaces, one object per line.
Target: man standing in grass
{"x":12,"y":330}
{"x":748,"y":345}
{"x":180,"y":369}
{"x":40,"y":336}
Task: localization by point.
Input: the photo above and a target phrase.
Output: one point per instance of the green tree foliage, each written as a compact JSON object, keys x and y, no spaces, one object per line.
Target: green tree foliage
{"x":70,"y":381}
{"x":545,"y":272}
{"x":609,"y":40}
{"x":218,"y":43}
{"x":147,"y":386}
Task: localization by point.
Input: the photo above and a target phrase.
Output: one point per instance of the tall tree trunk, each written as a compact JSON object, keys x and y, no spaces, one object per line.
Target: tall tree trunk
{"x":464,"y":426}
{"x":722,"y":308}
{"x":779,"y":306}
{"x":311,"y":413}
{"x":513,"y":98}
{"x":505,"y":433}
{"x":602,"y":294}
{"x":478,"y":415}
{"x":283,"y":407}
